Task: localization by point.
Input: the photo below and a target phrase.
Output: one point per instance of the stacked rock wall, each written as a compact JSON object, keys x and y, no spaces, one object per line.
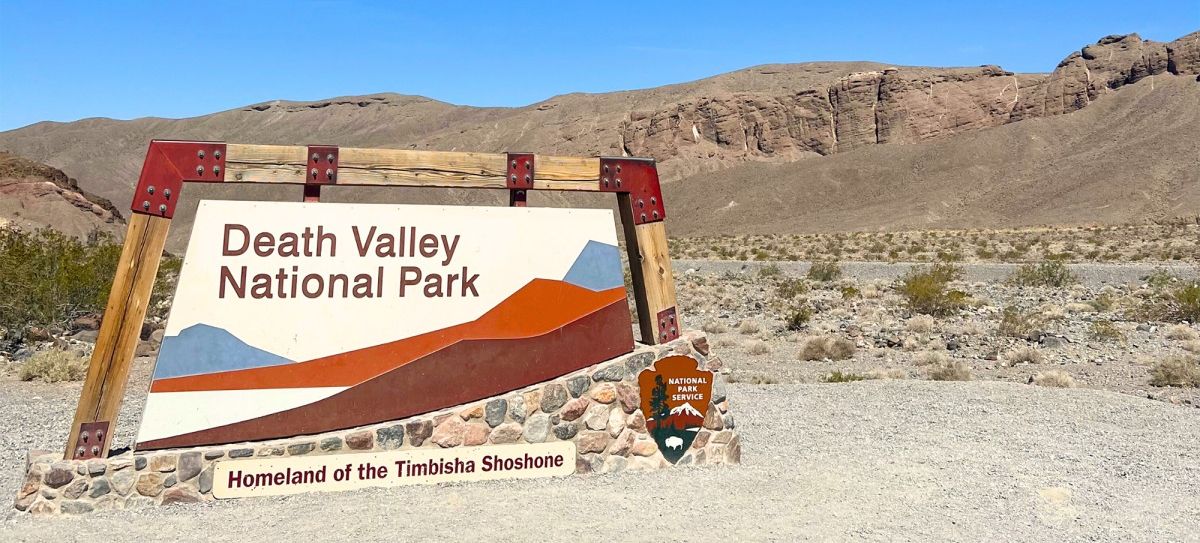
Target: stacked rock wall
{"x":597,"y":408}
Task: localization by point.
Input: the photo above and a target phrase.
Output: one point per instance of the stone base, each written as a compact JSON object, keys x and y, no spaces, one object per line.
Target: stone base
{"x":597,"y":408}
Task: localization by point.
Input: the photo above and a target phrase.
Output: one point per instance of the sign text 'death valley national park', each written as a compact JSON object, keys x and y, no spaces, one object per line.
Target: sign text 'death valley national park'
{"x":301,"y":318}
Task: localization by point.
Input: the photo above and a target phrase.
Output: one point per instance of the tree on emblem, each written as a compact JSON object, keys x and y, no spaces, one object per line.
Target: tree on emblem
{"x":658,"y":400}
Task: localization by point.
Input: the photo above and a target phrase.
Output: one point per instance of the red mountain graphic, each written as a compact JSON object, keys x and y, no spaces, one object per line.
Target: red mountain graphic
{"x":681,"y":418}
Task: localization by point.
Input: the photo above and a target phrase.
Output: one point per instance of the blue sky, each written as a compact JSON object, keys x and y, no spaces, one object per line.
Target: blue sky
{"x":69,"y":60}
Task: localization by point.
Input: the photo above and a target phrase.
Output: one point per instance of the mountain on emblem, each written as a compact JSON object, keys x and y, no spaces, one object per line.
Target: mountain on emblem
{"x":671,"y":390}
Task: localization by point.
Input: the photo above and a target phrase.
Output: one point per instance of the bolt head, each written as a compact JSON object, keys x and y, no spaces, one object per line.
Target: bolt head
{"x":200,"y":154}
{"x":618,"y":181}
{"x":162,"y":208}
{"x":513,"y":177}
{"x":514,"y":164}
{"x":216,"y":170}
{"x":643,"y":217}
{"x":528,"y":179}
{"x":146,"y":205}
{"x":316,"y":157}
{"x":167,"y":193}
{"x":641,"y":203}
{"x":329,"y":157}
{"x":199,"y":170}
{"x":655,"y":213}
{"x":217,"y":154}
{"x":329,"y":174}
{"x":313,"y":173}
{"x":150,"y":189}
{"x":526,"y":164}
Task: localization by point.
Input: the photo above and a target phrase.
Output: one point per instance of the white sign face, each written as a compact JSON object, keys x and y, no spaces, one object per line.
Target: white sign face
{"x":301,"y":318}
{"x":293,"y":475}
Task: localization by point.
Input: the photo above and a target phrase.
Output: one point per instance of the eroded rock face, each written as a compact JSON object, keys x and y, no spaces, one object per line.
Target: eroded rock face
{"x":896,"y":105}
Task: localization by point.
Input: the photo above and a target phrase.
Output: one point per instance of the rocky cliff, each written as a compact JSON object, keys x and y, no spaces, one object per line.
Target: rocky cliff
{"x":34,"y":195}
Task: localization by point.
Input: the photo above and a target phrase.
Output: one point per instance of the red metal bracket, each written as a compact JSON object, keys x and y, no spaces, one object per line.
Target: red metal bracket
{"x":668,"y":329}
{"x":322,"y":170}
{"x":322,"y":165}
{"x":520,"y":177}
{"x":168,"y":164}
{"x":91,"y":440}
{"x":639,"y":178}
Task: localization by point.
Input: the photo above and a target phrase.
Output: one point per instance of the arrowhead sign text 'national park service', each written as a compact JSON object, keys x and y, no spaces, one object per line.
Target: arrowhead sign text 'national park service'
{"x":302,"y":318}
{"x":675,"y":396}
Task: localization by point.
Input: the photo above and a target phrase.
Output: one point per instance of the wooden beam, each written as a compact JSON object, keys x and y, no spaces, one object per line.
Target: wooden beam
{"x":653,"y":279}
{"x":108,"y":371}
{"x":400,"y":167}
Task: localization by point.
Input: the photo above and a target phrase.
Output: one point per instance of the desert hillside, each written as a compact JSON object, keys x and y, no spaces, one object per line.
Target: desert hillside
{"x":844,"y":122}
{"x":34,"y":195}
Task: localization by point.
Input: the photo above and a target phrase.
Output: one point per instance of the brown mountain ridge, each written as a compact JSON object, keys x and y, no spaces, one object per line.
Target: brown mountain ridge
{"x":770,"y":133}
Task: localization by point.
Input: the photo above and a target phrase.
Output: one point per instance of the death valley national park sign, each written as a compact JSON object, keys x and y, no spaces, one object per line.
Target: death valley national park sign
{"x":301,"y":318}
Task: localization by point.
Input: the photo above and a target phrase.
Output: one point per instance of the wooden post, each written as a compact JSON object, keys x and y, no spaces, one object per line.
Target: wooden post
{"x":653,"y":279}
{"x":108,"y":371}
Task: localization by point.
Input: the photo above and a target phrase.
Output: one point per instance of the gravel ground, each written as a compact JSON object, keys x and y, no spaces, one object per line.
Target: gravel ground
{"x":874,"y":461}
{"x":1089,"y":274}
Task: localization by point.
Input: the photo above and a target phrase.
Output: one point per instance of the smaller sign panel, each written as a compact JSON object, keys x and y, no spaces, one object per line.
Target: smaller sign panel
{"x":675,"y":396}
{"x":298,"y":474}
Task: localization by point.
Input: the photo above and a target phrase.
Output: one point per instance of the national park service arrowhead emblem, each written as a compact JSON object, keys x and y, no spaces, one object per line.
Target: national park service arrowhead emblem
{"x":675,"y":397}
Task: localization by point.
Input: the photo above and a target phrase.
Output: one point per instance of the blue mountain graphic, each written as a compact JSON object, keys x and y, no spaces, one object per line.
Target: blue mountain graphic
{"x":598,"y":267}
{"x":207,"y":349}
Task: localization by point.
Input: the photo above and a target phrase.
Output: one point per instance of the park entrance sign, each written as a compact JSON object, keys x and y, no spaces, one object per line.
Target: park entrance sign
{"x":316,"y":346}
{"x":301,"y":318}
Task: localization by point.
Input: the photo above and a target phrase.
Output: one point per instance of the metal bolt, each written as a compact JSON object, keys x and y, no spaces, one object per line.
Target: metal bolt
{"x":618,"y":168}
{"x":527,"y":165}
{"x":664,"y":335}
{"x":313,"y":173}
{"x":217,"y":154}
{"x":653,"y":201}
{"x":618,"y":182}
{"x":79,"y":452}
{"x":643,"y":217}
{"x":95,"y":450}
{"x":150,"y":189}
{"x":162,"y":208}
{"x":100,"y":435}
{"x":199,"y":170}
{"x":674,"y":331}
{"x":672,"y":317}
{"x":514,"y":164}
{"x":200,"y":154}
{"x":83,"y":436}
{"x":216,"y":170}
{"x":329,"y":174}
{"x":655,"y":214}
{"x":606,"y":168}
{"x":641,"y":203}
{"x":316,"y":157}
{"x":167,"y":193}
{"x":329,"y":157}
{"x":146,"y":205}
{"x":514,"y":178}
{"x":527,"y":178}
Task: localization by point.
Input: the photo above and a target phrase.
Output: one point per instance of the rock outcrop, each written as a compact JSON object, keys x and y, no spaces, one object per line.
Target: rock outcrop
{"x":34,"y":195}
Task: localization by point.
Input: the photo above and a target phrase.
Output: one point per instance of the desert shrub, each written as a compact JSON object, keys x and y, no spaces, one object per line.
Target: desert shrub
{"x":1160,"y":278}
{"x":1106,"y":331}
{"x":749,"y":326}
{"x":888,"y":373}
{"x":770,"y":270}
{"x":931,"y":358}
{"x":1103,"y":302}
{"x":50,"y":278}
{"x":790,"y":287}
{"x":850,"y":292}
{"x":715,"y":327}
{"x":822,"y":347}
{"x":921,"y":324}
{"x":1016,"y":323}
{"x":839,"y":377}
{"x":1187,"y":302}
{"x":53,"y":366}
{"x":1191,"y":346}
{"x":757,"y":347}
{"x":824,"y":271}
{"x":1024,"y":355}
{"x":1054,"y":378}
{"x":1181,"y":332}
{"x":1051,"y":273}
{"x":1176,"y":371}
{"x":799,"y":317}
{"x":927,"y":290}
{"x":951,"y":370}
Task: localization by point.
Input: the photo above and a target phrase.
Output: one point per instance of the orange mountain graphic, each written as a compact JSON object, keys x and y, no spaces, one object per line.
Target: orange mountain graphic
{"x":541,"y":306}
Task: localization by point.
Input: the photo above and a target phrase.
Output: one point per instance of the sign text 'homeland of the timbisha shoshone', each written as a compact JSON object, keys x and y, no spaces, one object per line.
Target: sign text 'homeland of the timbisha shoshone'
{"x":293,"y":475}
{"x":302,"y":318}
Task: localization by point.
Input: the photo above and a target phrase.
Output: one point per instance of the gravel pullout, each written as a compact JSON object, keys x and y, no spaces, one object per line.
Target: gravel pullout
{"x":875,"y":461}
